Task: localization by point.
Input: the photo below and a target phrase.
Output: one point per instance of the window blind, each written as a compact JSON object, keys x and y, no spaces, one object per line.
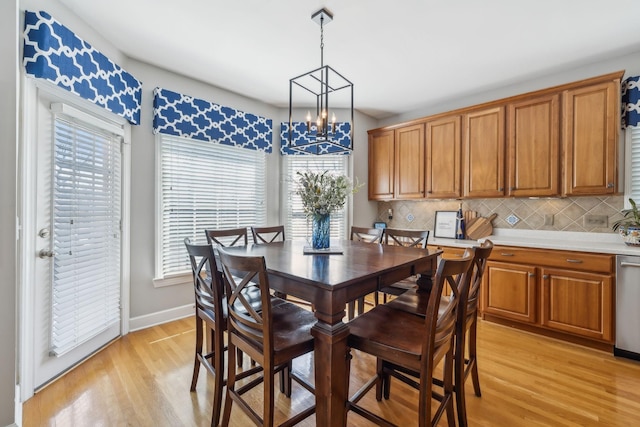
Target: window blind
{"x":86,"y":233}
{"x":297,"y":226}
{"x":634,"y":165}
{"x":205,"y":185}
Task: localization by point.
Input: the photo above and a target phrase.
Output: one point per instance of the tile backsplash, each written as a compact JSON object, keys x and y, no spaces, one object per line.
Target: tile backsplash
{"x":590,"y":214}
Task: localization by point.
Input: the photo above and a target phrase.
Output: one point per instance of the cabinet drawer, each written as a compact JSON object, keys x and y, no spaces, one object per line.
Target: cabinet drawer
{"x":582,"y":261}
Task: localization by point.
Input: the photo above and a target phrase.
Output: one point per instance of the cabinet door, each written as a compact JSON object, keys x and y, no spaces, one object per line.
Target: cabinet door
{"x":591,"y":115}
{"x":381,"y":165}
{"x":443,"y":158}
{"x":510,"y":291}
{"x":484,"y":153}
{"x":533,"y":147}
{"x":579,"y":303}
{"x":409,"y":162}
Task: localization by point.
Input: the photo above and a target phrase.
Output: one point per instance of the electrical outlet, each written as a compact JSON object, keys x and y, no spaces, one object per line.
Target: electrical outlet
{"x":595,"y":221}
{"x":548,"y":219}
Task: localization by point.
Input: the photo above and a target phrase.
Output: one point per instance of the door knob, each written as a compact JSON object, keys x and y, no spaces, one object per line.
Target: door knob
{"x":44,"y":253}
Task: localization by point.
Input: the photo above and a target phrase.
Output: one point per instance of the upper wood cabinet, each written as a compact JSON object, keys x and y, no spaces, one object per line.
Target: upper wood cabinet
{"x":443,"y":145}
{"x":590,"y":119}
{"x":409,"y":162}
{"x":533,"y":147}
{"x":381,"y":165}
{"x":483,"y":152}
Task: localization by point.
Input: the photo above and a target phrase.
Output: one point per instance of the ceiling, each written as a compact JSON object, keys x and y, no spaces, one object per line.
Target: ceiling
{"x":401,"y":56}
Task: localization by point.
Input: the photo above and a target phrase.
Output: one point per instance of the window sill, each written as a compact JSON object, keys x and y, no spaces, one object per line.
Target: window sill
{"x":175,"y":279}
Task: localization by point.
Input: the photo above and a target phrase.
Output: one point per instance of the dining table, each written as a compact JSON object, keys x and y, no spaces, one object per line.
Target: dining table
{"x":329,"y":280}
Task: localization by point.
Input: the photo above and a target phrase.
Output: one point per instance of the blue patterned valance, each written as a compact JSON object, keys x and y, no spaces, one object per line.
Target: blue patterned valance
{"x":631,"y":102}
{"x":300,"y":137}
{"x":182,"y":115}
{"x":54,"y":53}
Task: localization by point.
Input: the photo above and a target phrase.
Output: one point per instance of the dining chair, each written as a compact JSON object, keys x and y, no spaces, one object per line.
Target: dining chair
{"x":268,"y":234}
{"x":211,"y":320}
{"x":408,"y":346}
{"x":367,"y":235}
{"x":273,"y":337}
{"x":465,"y":352}
{"x":409,"y":239}
{"x":227,"y":236}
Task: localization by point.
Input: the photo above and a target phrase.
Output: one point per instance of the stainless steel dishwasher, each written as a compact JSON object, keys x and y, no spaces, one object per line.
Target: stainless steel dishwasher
{"x":627,"y":311}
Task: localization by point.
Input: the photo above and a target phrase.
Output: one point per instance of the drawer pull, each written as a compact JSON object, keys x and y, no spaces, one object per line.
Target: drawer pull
{"x":505,"y":254}
{"x":532,"y":275}
{"x":545,"y":277}
{"x":574,"y":261}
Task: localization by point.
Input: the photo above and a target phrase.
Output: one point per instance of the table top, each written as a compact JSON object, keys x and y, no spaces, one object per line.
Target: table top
{"x":358,"y":261}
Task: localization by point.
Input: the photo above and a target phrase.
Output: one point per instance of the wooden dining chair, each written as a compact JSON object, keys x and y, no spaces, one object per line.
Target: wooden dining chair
{"x":227,"y":236}
{"x":409,"y":239}
{"x":406,"y":345}
{"x":367,"y":235}
{"x":211,"y":320}
{"x":465,"y":353}
{"x":273,"y":337}
{"x":268,"y":234}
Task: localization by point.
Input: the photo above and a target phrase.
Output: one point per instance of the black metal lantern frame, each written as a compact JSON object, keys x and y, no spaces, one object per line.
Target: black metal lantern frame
{"x":329,"y":91}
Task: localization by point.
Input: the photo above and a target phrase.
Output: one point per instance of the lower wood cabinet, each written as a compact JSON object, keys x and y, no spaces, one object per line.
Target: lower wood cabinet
{"x":568,"y":292}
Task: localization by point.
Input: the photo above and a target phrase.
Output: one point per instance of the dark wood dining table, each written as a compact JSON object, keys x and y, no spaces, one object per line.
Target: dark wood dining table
{"x":329,"y":282}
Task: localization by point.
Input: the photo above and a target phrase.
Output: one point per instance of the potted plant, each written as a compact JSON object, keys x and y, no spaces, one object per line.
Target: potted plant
{"x":629,"y":225}
{"x":322,"y":193}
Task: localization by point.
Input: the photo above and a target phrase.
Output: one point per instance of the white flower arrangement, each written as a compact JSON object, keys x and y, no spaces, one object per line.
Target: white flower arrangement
{"x":323,"y":193}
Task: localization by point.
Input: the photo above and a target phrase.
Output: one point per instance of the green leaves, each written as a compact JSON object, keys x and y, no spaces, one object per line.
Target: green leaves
{"x":631,"y":218}
{"x":323,"y":193}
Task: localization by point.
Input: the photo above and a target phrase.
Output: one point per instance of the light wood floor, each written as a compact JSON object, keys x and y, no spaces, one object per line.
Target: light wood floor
{"x":527,"y":380}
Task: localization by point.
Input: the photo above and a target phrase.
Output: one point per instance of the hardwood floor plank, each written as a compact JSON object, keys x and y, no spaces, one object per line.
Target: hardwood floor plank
{"x":527,"y":380}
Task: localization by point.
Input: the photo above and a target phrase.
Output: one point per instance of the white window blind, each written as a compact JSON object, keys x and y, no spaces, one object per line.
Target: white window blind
{"x":205,"y":185}
{"x":634,"y":165}
{"x":297,"y":226}
{"x":86,"y":233}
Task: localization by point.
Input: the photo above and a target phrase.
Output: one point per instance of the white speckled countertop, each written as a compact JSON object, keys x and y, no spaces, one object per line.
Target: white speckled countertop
{"x":608,"y":243}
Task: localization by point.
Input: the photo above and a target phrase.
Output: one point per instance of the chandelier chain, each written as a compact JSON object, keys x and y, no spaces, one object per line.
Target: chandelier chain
{"x":321,"y":41}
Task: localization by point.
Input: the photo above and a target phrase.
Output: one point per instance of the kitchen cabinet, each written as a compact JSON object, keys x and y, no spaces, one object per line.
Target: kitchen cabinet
{"x":397,"y":163}
{"x":381,"y":165}
{"x":590,"y":133}
{"x":483,"y":152}
{"x":563,"y":291}
{"x":533,"y":147}
{"x":443,"y":145}
{"x":409,"y":162}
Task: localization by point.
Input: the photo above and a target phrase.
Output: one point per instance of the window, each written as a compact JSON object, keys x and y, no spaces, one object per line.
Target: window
{"x":297,"y":226}
{"x":86,"y":233}
{"x":204,"y":185}
{"x":633,"y":165}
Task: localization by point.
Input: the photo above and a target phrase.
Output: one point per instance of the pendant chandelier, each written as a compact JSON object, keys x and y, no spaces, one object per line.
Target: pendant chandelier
{"x":328,"y":98}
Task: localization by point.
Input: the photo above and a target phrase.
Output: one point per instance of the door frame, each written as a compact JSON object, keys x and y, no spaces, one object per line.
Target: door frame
{"x":27,"y":219}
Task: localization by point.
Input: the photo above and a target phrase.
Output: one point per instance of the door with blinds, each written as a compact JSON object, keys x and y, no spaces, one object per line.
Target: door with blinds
{"x":78,"y":240}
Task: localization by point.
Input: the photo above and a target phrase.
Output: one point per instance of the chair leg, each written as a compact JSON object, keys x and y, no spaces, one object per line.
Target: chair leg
{"x":458,"y":381}
{"x":196,"y":361}
{"x":218,"y":385}
{"x":231,"y":384}
{"x":285,"y":380}
{"x":351,"y":308}
{"x":448,"y":388}
{"x":269,"y":401}
{"x":239,"y":358}
{"x":360,"y":305}
{"x":473,"y":360}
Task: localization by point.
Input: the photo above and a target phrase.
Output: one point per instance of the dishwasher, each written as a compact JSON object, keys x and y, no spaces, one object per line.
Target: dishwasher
{"x":627,"y":303}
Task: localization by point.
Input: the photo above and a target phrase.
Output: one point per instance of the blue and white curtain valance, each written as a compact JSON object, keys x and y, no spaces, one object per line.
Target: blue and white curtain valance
{"x":54,"y":53}
{"x":631,"y":102}
{"x":182,"y":115}
{"x":301,"y":137}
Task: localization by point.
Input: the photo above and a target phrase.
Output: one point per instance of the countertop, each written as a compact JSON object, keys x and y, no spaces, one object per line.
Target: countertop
{"x":606,"y":243}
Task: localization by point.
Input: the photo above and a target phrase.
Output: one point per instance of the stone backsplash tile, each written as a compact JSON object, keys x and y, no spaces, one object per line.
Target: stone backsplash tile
{"x":568,"y":213}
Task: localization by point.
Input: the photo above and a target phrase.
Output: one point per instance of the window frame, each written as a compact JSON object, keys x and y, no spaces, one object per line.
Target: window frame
{"x":179,"y":278}
{"x":632,"y":156}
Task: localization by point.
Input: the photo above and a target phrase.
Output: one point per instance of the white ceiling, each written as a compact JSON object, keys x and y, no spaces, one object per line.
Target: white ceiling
{"x":400,"y":55}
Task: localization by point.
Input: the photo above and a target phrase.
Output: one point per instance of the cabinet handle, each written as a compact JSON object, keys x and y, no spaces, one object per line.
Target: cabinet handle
{"x":532,"y":275}
{"x":545,"y":277}
{"x":505,"y":254}
{"x":512,"y":188}
{"x":501,"y":189}
{"x":610,"y":185}
{"x":574,"y":261}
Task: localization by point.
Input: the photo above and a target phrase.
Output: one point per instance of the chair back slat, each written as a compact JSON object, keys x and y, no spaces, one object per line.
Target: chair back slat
{"x":241,"y":273}
{"x":207,"y":283}
{"x":268,"y":234}
{"x":368,"y":235}
{"x":441,"y":321}
{"x":227,"y":237}
{"x":406,"y":238}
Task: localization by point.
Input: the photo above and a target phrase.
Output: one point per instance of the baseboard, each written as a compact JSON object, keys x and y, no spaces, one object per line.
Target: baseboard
{"x":159,"y":317}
